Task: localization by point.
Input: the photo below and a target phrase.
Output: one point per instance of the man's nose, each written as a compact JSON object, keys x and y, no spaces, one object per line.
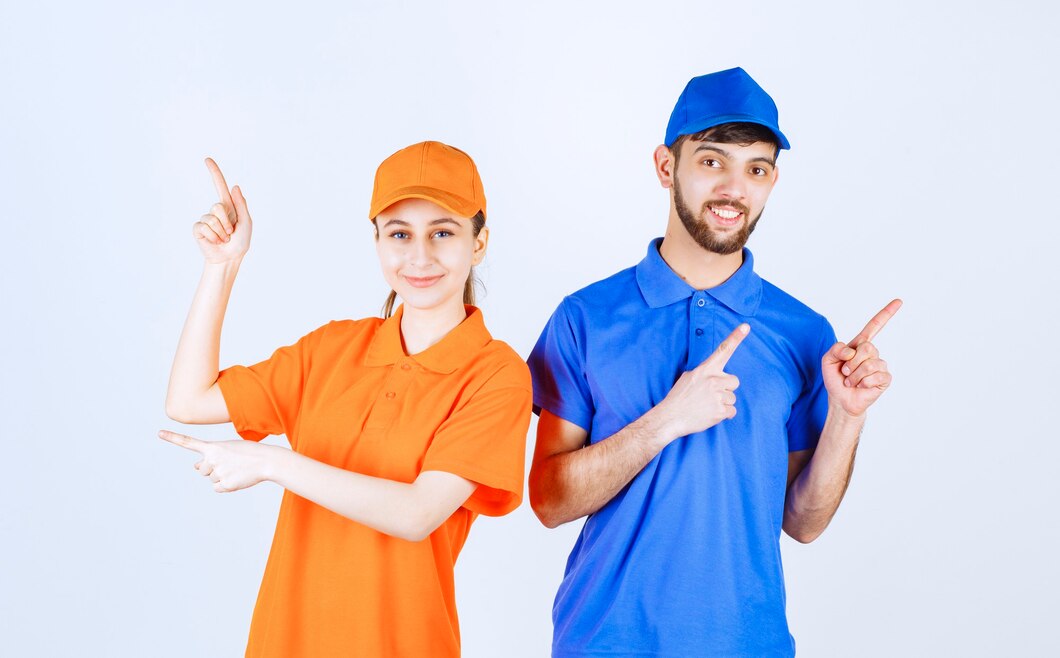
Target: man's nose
{"x":731,"y":186}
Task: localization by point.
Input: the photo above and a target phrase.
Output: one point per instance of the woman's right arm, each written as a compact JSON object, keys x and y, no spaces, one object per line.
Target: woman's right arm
{"x":223,"y":235}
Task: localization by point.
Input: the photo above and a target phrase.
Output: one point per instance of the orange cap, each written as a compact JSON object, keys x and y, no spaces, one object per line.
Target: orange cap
{"x":433,"y":171}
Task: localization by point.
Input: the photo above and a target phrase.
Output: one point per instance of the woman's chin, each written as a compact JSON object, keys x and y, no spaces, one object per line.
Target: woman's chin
{"x":427,"y":299}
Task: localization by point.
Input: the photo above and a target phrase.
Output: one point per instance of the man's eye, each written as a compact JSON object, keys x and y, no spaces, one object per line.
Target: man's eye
{"x":758,"y":171}
{"x":711,"y":162}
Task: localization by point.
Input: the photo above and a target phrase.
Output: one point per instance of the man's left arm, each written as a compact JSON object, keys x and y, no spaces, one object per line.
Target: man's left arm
{"x":854,"y":376}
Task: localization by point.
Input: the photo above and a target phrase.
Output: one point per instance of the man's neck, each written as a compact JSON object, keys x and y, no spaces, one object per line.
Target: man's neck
{"x":700,"y":268}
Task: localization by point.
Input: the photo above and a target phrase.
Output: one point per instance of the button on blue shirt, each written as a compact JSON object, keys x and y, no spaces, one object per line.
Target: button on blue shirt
{"x":685,"y":560}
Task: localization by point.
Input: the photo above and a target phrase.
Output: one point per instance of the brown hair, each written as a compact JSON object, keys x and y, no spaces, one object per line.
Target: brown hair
{"x":477,"y":222}
{"x":740,"y":133}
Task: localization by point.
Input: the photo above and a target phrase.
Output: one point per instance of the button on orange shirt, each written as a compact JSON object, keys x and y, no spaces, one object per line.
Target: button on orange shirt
{"x":347,"y":395}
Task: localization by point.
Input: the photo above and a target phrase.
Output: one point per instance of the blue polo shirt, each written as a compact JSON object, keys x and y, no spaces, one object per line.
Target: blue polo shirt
{"x":685,"y":560}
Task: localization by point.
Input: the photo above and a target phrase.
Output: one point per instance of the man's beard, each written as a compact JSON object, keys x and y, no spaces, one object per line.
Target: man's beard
{"x":706,"y":237}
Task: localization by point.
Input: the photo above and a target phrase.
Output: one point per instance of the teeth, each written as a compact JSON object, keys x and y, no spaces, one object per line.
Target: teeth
{"x":726,"y":214}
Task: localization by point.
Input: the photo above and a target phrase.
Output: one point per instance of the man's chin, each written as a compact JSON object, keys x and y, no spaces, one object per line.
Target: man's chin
{"x":723,"y":250}
{"x":721,"y":247}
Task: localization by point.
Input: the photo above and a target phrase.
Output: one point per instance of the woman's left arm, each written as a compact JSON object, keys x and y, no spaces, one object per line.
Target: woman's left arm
{"x":409,"y":511}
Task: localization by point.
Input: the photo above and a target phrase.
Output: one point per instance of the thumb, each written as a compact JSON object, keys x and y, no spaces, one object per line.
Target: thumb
{"x":240,"y":202}
{"x":838,"y":353}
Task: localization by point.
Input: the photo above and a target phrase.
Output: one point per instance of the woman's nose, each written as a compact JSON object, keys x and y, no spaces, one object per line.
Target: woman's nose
{"x":422,"y":255}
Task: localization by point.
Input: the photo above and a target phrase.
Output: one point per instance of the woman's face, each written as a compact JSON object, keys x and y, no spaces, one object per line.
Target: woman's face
{"x":426,"y":252}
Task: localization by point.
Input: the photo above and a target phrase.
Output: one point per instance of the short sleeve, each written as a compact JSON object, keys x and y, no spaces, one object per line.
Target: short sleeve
{"x":811,"y":407}
{"x":265,"y":398}
{"x":557,"y":367}
{"x":485,"y":441}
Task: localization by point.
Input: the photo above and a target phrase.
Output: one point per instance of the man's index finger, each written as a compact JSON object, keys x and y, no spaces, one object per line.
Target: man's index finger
{"x":878,"y":322}
{"x":720,"y":358}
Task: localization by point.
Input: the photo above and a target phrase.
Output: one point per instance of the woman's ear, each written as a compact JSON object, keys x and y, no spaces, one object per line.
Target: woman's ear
{"x":479,"y":245}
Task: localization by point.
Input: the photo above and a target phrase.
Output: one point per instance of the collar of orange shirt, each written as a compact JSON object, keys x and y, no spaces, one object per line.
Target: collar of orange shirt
{"x":447,"y":355}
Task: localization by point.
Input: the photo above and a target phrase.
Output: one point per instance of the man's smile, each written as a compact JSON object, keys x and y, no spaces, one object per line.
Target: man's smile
{"x":726,"y":215}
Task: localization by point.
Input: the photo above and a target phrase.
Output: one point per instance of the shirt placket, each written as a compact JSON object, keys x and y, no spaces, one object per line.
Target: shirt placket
{"x":701,"y":339}
{"x":391,"y":397}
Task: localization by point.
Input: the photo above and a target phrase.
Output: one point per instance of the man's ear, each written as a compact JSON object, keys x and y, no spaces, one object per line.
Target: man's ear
{"x":664,"y":166}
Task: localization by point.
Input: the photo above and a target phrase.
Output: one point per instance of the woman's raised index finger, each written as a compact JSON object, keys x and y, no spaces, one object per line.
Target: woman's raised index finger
{"x":877,"y":323}
{"x":219,"y":183}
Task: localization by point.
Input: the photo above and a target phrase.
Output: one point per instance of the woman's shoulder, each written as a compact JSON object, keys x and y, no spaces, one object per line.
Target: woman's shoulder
{"x":337,"y":333}
{"x":349,"y":326}
{"x":502,"y":366}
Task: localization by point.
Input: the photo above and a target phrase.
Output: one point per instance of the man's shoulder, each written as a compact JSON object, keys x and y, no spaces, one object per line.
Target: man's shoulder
{"x":797,"y":317}
{"x":604,"y":295}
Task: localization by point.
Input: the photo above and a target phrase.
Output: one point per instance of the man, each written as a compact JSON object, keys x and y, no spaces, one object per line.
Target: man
{"x":692,"y":410}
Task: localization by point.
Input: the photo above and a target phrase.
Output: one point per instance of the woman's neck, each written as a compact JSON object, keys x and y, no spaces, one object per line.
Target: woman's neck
{"x":423,"y":327}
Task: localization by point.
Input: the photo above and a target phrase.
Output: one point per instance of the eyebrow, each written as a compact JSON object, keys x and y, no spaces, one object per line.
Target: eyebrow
{"x":707,"y":147}
{"x":433,"y":222}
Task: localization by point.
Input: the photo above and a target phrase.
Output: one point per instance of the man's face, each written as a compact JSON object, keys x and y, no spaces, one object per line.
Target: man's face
{"x":720,"y":191}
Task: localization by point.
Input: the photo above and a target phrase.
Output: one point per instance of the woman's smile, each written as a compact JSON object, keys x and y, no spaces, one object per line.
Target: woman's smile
{"x":422,"y":281}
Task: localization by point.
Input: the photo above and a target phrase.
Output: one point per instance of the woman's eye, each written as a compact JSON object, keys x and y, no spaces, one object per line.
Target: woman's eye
{"x":400,"y":235}
{"x":442,"y":234}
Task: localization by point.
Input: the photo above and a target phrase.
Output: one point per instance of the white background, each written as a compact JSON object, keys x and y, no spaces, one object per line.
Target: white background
{"x":924,"y":166}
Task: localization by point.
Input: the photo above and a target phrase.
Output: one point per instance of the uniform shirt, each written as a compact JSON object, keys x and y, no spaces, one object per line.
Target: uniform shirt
{"x":347,"y":395}
{"x":685,"y":560}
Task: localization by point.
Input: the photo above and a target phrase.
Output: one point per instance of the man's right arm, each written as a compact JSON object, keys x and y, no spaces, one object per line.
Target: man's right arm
{"x":569,"y":480}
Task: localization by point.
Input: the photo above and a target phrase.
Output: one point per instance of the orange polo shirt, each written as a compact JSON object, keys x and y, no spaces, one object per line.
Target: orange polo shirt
{"x":348,"y":395}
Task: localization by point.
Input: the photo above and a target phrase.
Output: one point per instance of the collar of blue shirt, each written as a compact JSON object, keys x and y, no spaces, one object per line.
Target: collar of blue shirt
{"x":661,"y":286}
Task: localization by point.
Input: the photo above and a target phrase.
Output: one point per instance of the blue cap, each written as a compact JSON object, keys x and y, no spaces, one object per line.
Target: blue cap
{"x":729,"y":96}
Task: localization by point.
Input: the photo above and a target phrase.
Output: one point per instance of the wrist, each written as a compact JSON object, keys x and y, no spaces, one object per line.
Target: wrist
{"x":227,"y":268}
{"x":657,"y":428}
{"x":275,"y":464}
{"x":844,"y":418}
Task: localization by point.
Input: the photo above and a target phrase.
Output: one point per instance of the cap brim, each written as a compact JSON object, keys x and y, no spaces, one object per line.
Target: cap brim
{"x":451,"y":202}
{"x":694,"y":127}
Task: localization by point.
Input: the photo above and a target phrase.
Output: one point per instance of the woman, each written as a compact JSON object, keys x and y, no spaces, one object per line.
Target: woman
{"x":402,"y":429}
